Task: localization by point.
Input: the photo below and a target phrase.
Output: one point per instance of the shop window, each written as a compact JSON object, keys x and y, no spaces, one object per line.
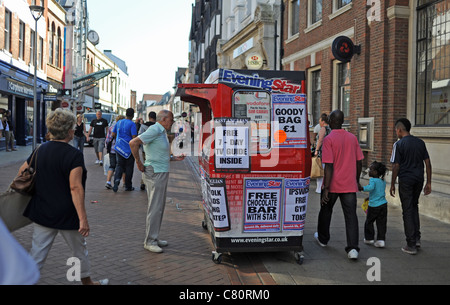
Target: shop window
{"x":433,"y":63}
{"x":255,"y":105}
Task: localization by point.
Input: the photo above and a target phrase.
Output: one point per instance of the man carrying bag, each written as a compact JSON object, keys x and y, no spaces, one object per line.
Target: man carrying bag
{"x":124,"y":131}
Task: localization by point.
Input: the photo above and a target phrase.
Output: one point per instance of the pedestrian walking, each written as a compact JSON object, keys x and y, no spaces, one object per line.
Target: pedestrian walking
{"x":58,"y":204}
{"x":343,"y":157}
{"x":80,"y":134}
{"x":151,"y":121}
{"x":409,"y":157}
{"x":99,"y":125}
{"x":110,"y":142}
{"x":8,"y":130}
{"x":324,"y":131}
{"x":155,"y":171}
{"x":377,"y":210}
{"x":124,"y":130}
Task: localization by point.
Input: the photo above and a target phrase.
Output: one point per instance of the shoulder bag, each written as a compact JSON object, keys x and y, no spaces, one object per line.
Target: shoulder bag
{"x":24,"y":181}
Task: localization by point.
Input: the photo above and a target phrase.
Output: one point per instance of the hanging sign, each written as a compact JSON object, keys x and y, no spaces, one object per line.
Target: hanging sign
{"x":290,"y":122}
{"x":231,"y":145}
{"x":296,"y":199}
{"x":262,"y":204}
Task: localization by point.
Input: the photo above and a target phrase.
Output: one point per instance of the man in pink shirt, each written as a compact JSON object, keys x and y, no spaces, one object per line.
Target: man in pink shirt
{"x":342,"y":157}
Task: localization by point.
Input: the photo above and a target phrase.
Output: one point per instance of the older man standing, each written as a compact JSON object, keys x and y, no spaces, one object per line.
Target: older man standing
{"x":155,"y":174}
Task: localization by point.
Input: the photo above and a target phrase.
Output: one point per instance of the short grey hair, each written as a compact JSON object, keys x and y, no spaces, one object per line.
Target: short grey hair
{"x":59,"y":123}
{"x":162,"y":114}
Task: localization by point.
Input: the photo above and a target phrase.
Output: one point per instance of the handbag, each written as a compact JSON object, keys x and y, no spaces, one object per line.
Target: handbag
{"x":316,"y":167}
{"x":12,"y":206}
{"x":122,"y":148}
{"x":24,"y":181}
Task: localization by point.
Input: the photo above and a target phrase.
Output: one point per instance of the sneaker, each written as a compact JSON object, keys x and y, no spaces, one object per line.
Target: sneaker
{"x":379,"y":244}
{"x":352,"y":254}
{"x":316,"y":237}
{"x":369,"y":242}
{"x":129,"y":189}
{"x":162,"y":243}
{"x":108,"y":185}
{"x":418,"y":244}
{"x":153,"y":248}
{"x":97,"y":161}
{"x":409,"y":250}
{"x":142,"y":187}
{"x":101,"y":163}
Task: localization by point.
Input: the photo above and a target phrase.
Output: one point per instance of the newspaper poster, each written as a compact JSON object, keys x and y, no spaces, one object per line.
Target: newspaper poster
{"x":296,"y":200}
{"x":215,"y":201}
{"x":231,"y":145}
{"x":262,"y":204}
{"x":290,"y":121}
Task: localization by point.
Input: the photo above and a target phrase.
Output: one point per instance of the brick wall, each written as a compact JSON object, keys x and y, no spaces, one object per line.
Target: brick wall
{"x":378,"y":74}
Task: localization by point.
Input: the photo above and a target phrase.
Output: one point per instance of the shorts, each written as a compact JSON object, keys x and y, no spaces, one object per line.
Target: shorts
{"x":99,"y":144}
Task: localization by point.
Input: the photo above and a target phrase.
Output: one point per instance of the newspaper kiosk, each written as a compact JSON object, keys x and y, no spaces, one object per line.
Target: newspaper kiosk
{"x":254,"y":158}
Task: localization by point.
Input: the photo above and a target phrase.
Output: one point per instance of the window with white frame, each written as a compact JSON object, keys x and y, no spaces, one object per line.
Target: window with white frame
{"x":7,"y":30}
{"x":433,"y":63}
{"x":343,"y":86}
{"x":342,"y":3}
{"x":314,"y":93}
{"x":294,"y":17}
{"x":315,"y":12}
{"x":21,"y":40}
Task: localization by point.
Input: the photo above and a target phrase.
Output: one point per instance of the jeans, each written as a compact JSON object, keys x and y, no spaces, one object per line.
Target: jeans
{"x":78,"y":142}
{"x":409,"y":193}
{"x":348,"y":203}
{"x":124,"y":166}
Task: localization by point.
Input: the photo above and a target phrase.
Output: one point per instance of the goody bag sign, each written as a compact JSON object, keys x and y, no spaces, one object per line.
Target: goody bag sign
{"x":262,"y":204}
{"x":289,"y":116}
{"x":231,"y":145}
{"x":296,"y":198}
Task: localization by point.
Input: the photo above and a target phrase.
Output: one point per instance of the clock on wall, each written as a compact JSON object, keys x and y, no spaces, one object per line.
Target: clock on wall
{"x":93,"y":37}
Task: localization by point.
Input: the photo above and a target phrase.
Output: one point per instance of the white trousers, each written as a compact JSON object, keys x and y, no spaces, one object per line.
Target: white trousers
{"x":43,"y":238}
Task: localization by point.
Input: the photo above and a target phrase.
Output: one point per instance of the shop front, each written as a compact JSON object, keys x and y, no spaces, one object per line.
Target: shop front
{"x":16,"y":95}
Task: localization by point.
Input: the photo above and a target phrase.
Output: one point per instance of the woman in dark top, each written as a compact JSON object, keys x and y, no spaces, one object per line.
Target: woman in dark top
{"x":80,"y":134}
{"x":58,"y":202}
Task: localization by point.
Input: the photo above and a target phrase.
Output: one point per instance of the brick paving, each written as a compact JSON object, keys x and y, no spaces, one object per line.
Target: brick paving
{"x":117,"y":225}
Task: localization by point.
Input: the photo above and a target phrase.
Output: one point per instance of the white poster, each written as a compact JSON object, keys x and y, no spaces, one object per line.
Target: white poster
{"x":262,"y":204}
{"x":296,"y":199}
{"x":231,"y":145}
{"x":218,"y":206}
{"x":291,"y":123}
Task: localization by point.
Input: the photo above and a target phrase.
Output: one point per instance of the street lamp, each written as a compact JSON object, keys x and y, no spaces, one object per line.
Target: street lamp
{"x":37,"y":12}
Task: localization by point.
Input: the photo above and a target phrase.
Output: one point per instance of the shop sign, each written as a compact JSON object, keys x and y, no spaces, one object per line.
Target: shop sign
{"x":20,"y":88}
{"x":254,"y":61}
{"x":243,"y":48}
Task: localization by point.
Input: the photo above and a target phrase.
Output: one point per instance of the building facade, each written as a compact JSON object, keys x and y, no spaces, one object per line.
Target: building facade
{"x":401,"y":71}
{"x":17,"y":46}
{"x":250,"y":31}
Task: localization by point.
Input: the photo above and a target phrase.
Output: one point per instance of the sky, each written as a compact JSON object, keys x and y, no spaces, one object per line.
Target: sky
{"x":151,"y":36}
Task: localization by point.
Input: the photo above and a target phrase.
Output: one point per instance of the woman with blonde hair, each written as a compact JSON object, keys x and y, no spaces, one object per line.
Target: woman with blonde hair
{"x":80,"y":133}
{"x":57,"y":205}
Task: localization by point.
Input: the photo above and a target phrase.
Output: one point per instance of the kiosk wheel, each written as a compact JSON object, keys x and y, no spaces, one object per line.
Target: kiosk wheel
{"x":216,"y":257}
{"x":299,"y":257}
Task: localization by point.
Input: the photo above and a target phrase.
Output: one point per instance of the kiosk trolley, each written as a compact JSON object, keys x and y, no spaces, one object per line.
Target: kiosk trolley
{"x":254,"y":157}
